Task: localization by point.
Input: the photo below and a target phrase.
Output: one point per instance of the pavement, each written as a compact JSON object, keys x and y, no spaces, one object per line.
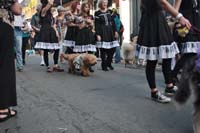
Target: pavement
{"x":106,"y":102}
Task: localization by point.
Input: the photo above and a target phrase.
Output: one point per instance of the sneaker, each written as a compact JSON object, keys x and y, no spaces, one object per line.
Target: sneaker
{"x":58,"y":69}
{"x":42,"y":63}
{"x":158,"y":97}
{"x":170,"y":91}
{"x":49,"y":70}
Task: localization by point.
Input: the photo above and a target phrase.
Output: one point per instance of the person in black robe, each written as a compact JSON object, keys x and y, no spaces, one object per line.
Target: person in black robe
{"x":8,"y":97}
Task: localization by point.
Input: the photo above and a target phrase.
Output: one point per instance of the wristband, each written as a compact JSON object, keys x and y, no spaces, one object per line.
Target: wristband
{"x":179,"y":16}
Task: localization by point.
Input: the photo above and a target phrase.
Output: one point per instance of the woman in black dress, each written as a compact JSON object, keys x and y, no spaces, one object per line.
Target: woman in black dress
{"x":156,"y":42}
{"x":72,"y":27}
{"x":85,"y":39}
{"x":191,"y":42}
{"x":106,"y":35}
{"x":48,"y":37}
{"x":8,"y":96}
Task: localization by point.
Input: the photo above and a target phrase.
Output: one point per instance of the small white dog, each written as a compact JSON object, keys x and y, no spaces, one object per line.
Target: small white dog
{"x":128,"y":51}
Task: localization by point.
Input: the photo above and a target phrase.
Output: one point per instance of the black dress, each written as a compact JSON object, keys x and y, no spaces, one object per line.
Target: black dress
{"x":104,"y":27}
{"x":155,"y":40}
{"x":85,"y":38}
{"x":47,"y":37}
{"x":8,"y":96}
{"x":191,"y":42}
{"x":71,"y":33}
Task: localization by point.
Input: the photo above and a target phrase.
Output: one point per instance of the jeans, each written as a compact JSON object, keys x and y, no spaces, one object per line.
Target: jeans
{"x":18,"y":47}
{"x":117,"y":55}
{"x":117,"y":50}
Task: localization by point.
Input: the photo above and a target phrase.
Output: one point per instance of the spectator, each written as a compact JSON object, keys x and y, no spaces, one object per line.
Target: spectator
{"x":106,"y":35}
{"x":120,"y":29}
{"x":36,"y":28}
{"x":8,"y":97}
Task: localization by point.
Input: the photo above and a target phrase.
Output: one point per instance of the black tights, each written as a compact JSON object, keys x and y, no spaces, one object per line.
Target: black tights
{"x":150,"y":72}
{"x":55,"y":57}
{"x":106,"y":57}
{"x":181,"y":62}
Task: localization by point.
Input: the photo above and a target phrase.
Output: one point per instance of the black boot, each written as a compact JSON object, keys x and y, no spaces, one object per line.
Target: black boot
{"x":104,"y":66}
{"x":111,"y":67}
{"x":91,"y":70}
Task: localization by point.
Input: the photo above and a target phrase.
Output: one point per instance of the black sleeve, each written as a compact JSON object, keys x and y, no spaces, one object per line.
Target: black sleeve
{"x":97,"y":23}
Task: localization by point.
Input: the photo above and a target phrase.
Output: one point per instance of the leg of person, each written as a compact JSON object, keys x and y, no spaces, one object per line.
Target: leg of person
{"x":117,"y":55}
{"x":110,"y":53}
{"x":55,"y":59}
{"x":18,"y":49}
{"x":23,"y":50}
{"x":41,"y":52}
{"x":103,"y":59}
{"x":97,"y":53}
{"x":69,"y":50}
{"x":46,"y":60}
{"x":167,"y":72}
{"x":150,"y":75}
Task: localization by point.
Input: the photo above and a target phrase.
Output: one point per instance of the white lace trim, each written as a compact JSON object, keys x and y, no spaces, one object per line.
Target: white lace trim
{"x":44,"y":45}
{"x":85,"y":48}
{"x":107,"y":45}
{"x":156,"y":53}
{"x":190,"y":47}
{"x":69,"y":43}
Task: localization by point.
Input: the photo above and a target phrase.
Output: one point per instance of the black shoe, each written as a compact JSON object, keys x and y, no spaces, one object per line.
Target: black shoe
{"x":91,"y":70}
{"x":105,"y":69}
{"x":24,"y":63}
{"x":158,"y":97}
{"x":170,"y":91}
{"x":111,"y":67}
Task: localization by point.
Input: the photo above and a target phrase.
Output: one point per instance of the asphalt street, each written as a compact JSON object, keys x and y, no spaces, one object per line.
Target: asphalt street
{"x":106,"y":102}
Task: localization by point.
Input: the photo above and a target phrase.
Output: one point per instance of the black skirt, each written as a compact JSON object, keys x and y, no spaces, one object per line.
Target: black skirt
{"x":70,"y":36}
{"x":108,"y":40}
{"x":191,"y":42}
{"x":47,"y":38}
{"x":155,"y":40}
{"x":85,"y":41}
{"x":8,"y":96}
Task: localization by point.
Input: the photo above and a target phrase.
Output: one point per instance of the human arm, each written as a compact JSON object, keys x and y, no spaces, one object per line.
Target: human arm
{"x":47,"y":7}
{"x":169,"y":8}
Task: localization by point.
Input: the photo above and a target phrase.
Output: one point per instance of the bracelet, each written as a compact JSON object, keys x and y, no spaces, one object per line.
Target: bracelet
{"x":179,"y":16}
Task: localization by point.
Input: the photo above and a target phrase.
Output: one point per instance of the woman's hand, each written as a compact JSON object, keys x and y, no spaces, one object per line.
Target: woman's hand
{"x":51,"y":2}
{"x":185,"y":22}
{"x":116,"y":35}
{"x":98,"y":38}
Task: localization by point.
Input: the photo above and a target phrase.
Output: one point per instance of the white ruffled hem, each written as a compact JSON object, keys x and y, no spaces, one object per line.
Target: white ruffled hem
{"x":107,"y":45}
{"x":156,"y":53}
{"x":69,"y":43}
{"x":85,"y":48}
{"x":44,"y":45}
{"x":190,"y":47}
